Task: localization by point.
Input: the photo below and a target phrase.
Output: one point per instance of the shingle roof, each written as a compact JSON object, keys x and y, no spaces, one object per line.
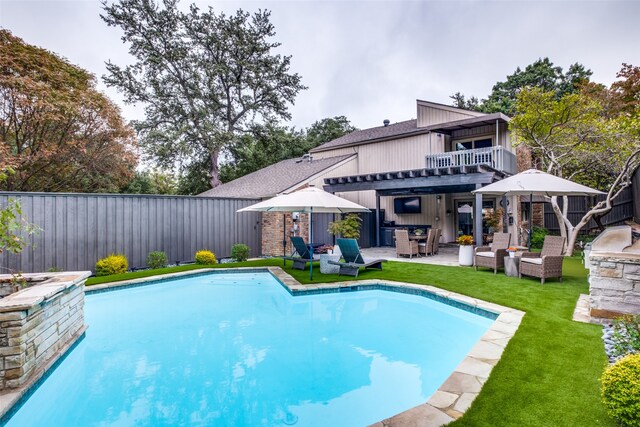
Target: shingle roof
{"x":269,"y":181}
{"x":393,"y":130}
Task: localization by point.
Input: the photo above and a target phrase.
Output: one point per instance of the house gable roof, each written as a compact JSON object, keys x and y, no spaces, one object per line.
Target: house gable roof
{"x":274,"y":179}
{"x":379,"y":133}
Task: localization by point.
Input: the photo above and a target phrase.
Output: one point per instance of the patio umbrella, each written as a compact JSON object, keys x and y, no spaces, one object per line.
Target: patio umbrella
{"x":307,"y":200}
{"x":534,"y":182}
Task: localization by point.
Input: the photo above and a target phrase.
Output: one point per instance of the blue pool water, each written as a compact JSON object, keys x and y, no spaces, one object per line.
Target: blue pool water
{"x":239,"y":350}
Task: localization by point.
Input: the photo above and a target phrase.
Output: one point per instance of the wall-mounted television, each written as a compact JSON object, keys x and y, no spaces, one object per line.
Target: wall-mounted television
{"x":407,"y":205}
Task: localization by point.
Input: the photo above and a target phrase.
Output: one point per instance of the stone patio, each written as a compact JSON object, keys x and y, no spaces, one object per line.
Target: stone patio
{"x":447,"y":255}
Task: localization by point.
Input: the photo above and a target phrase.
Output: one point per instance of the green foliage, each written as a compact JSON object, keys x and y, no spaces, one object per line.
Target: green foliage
{"x":204,"y":78}
{"x":541,"y":74}
{"x":328,"y":129}
{"x":465,"y":240}
{"x":152,"y":182}
{"x":621,"y":390}
{"x":269,"y":144}
{"x":205,"y":257}
{"x":113,"y":264}
{"x":263,"y":146}
{"x":240,"y":252}
{"x":157,"y":259}
{"x":349,"y":227}
{"x":537,"y":237}
{"x":54,"y":270}
{"x":626,"y":335}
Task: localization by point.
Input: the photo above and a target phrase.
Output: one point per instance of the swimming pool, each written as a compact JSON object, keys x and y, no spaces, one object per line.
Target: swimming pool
{"x":237,"y":349}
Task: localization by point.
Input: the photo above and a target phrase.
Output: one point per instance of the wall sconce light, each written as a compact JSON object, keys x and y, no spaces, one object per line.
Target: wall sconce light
{"x":437,"y":218}
{"x":438,"y":198}
{"x":448,"y":212}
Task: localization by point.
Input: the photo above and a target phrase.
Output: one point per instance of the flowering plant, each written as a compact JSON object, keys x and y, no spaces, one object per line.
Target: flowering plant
{"x":512,"y":249}
{"x":465,"y":240}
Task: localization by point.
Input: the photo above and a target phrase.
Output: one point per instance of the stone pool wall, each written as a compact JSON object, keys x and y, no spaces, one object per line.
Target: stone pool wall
{"x":38,"y":324}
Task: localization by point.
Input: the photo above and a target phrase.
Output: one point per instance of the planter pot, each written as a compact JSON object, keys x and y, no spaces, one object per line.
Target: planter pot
{"x":512,"y":254}
{"x":465,"y":256}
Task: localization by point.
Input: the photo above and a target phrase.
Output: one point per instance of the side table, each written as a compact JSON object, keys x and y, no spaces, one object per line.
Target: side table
{"x":512,"y":266}
{"x":325,"y":267}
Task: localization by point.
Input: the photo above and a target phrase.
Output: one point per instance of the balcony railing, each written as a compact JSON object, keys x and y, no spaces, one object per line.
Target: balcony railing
{"x":497,"y":157}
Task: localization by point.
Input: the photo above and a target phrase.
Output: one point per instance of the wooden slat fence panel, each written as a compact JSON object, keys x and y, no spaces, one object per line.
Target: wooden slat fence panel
{"x":79,"y":229}
{"x":622,"y":211}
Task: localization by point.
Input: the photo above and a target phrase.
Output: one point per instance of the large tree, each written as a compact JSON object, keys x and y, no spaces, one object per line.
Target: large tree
{"x":56,"y":130}
{"x":203,"y":77}
{"x":580,"y":136}
{"x":542,"y":74}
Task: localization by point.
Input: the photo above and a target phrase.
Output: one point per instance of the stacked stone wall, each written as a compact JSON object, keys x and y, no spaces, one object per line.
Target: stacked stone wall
{"x":36,"y":325}
{"x":614,"y":284}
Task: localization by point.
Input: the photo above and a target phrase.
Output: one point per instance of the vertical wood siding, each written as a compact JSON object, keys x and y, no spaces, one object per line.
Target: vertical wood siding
{"x":79,"y":229}
{"x":428,"y":115}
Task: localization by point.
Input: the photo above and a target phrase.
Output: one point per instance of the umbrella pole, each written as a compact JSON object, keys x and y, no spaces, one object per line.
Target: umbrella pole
{"x":530,"y":218}
{"x":284,"y":239}
{"x":310,"y":246}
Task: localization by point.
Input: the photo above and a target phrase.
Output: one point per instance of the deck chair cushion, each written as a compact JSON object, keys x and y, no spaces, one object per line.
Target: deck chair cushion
{"x":486,"y":254}
{"x":532,"y":260}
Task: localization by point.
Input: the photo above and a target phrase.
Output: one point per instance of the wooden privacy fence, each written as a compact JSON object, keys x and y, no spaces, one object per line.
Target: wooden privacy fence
{"x":79,"y":229}
{"x":623,"y":207}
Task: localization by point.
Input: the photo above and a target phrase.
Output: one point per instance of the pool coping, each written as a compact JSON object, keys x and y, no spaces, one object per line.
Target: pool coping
{"x":456,"y":394}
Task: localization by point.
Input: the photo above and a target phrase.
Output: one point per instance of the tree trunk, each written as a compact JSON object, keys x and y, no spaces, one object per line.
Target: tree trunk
{"x":559,"y":216}
{"x":214,"y":172}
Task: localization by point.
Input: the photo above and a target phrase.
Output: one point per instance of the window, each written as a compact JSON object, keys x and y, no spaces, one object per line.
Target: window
{"x":476,"y":143}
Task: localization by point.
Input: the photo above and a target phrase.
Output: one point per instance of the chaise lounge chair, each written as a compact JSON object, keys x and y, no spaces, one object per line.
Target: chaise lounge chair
{"x":305,"y":257}
{"x":353,"y":259}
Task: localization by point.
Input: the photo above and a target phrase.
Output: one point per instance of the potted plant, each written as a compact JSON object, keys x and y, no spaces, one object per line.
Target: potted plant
{"x":465,"y":256}
{"x":348,"y":227}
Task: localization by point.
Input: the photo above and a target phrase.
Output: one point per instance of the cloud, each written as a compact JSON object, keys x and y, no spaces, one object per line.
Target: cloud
{"x":370,"y":60}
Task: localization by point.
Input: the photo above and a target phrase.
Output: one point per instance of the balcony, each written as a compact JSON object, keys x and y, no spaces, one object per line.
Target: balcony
{"x":497,"y":157}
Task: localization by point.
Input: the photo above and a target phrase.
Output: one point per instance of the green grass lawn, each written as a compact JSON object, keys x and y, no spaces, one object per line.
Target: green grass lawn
{"x":548,"y":374}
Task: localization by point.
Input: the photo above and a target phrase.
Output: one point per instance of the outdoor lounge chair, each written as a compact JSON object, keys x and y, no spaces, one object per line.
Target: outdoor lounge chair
{"x":404,"y":246}
{"x":493,"y":256}
{"x":353,"y":259}
{"x":545,"y":264}
{"x":305,"y":257}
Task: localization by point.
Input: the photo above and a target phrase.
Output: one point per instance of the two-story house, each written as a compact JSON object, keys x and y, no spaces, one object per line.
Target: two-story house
{"x":417,"y":173}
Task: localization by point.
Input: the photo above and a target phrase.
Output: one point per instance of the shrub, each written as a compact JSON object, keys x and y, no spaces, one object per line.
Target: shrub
{"x":349,"y":227}
{"x":621,"y":390}
{"x":465,"y":240}
{"x":626,"y":335}
{"x":113,"y":264}
{"x":240,"y":252}
{"x":205,"y":257}
{"x":537,"y":237}
{"x":157,"y":259}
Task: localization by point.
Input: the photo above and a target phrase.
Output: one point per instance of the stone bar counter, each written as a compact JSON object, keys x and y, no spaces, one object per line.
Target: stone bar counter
{"x":614,"y":274}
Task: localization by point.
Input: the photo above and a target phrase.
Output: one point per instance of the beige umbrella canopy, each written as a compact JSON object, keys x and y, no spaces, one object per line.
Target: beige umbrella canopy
{"x":533,"y":182}
{"x":307,"y":200}
{"x":537,"y":183}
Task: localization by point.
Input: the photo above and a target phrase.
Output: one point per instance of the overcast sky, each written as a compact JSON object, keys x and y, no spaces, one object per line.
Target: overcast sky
{"x":370,"y":60}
